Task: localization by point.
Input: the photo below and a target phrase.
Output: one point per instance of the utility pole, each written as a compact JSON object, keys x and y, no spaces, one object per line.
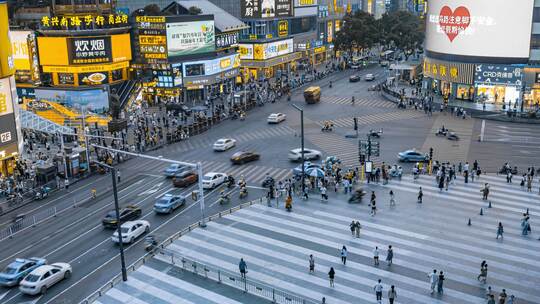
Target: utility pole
{"x":302,"y":152}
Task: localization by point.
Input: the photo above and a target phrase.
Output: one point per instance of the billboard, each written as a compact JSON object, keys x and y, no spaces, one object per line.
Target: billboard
{"x":8,"y":131}
{"x":19,"y":46}
{"x":89,"y":50}
{"x":6,"y":102}
{"x":190,"y":37}
{"x":259,"y":9}
{"x":215,"y":66}
{"x":6,"y":60}
{"x":94,"y":100}
{"x":498,"y":74}
{"x":485,"y":29}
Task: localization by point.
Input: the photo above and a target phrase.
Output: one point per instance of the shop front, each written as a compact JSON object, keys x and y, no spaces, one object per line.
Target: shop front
{"x":449,"y":79}
{"x":85,"y":61}
{"x":266,"y":60}
{"x":531,"y":95}
{"x":208,"y":79}
{"x":499,"y":85}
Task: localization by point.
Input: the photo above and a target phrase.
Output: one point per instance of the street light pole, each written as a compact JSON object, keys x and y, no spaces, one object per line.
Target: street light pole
{"x":201,"y":199}
{"x":118,"y":224}
{"x":302,"y":152}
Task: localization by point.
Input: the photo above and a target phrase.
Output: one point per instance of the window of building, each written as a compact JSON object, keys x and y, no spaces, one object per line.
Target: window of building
{"x":536,"y":14}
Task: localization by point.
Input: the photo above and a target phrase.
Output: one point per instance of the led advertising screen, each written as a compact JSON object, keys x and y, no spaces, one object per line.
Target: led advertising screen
{"x":94,"y":100}
{"x":486,"y":30}
{"x":190,"y":37}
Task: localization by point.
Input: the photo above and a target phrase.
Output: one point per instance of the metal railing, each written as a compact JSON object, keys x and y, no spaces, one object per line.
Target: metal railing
{"x":234,"y":280}
{"x":141,"y":261}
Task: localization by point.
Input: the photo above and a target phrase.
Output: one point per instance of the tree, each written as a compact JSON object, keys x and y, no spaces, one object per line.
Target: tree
{"x":149,"y":10}
{"x":193,"y":10}
{"x":358,"y":31}
{"x":402,"y":30}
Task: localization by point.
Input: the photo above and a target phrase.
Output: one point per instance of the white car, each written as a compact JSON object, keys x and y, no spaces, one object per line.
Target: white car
{"x":224,"y":144}
{"x":131,"y":230}
{"x":369,"y":77}
{"x":43,"y":277}
{"x":309,"y":154}
{"x":213,"y":179}
{"x":276,"y":118}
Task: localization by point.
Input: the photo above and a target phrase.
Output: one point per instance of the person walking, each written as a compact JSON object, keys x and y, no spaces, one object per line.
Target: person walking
{"x":376,"y":256}
{"x":324,"y":196}
{"x":357,"y":230}
{"x":485,"y":192}
{"x":373,"y":208}
{"x":331,"y":275}
{"x":511,"y":300}
{"x":392,"y":198}
{"x":482,"y":277}
{"x":243,"y":268}
{"x":500,"y":231}
{"x":352,"y":226}
{"x":392,"y":295}
{"x":343,"y":255}
{"x":311,"y":264}
{"x":529,"y":183}
{"x":440,"y":282}
{"x":491,"y":299}
{"x":420,"y":195}
{"x":502,"y":296}
{"x":66,"y":183}
{"x":389,"y":255}
{"x":118,"y":175}
{"x":433,"y":279}
{"x":525,"y":228}
{"x":378,"y":291}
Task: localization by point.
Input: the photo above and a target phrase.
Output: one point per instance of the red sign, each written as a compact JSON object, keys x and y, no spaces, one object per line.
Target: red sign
{"x":453,"y":23}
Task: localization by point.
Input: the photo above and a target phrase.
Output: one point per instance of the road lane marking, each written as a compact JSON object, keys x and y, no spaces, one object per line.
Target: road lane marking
{"x":127,"y":248}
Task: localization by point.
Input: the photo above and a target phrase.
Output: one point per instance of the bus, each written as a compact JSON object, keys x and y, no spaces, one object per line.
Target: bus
{"x":312,"y":95}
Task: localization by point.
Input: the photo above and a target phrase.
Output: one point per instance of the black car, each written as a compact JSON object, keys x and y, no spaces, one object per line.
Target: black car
{"x":242,"y":157}
{"x":127,"y":213}
{"x":354,"y":78}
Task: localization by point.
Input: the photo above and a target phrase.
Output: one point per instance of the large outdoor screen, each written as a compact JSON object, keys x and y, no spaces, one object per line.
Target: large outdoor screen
{"x":479,"y":30}
{"x":192,"y":37}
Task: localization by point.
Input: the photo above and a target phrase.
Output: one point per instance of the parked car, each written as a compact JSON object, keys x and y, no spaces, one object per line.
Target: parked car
{"x":168,"y":203}
{"x":127,"y":213}
{"x":369,"y":77}
{"x":15,"y":271}
{"x":213,"y":179}
{"x":243,"y":157}
{"x":185,"y":178}
{"x":412,"y":156}
{"x":173,"y":169}
{"x":276,"y":118}
{"x":309,"y":154}
{"x":43,"y":277}
{"x":131,"y":230}
{"x":354,"y":78}
{"x":224,"y":144}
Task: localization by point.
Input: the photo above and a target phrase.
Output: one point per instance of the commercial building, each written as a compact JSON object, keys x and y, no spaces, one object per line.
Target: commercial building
{"x":187,"y":57}
{"x":10,"y":133}
{"x":480,"y":51}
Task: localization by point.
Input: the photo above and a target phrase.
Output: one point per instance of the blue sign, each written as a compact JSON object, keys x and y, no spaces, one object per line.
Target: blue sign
{"x":498,"y":74}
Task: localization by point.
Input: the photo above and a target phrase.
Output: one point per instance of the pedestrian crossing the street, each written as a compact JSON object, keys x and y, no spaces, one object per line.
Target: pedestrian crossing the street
{"x":374,"y":101}
{"x":433,"y":235}
{"x":347,"y":122}
{"x":206,"y":142}
{"x":344,"y":149}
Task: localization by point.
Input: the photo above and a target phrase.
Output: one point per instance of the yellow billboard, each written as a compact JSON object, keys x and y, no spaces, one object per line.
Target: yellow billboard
{"x":7,"y":68}
{"x":19,"y":47}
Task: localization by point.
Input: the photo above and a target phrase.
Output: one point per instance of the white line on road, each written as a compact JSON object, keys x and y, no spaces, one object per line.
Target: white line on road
{"x":114,"y":257}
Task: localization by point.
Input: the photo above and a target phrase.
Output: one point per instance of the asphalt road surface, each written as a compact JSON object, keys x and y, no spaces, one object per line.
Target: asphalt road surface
{"x":76,"y":235}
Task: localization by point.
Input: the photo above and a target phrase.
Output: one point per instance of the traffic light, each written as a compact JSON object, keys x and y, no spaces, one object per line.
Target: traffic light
{"x":362,"y":158}
{"x":355,"y":123}
{"x":430,"y":153}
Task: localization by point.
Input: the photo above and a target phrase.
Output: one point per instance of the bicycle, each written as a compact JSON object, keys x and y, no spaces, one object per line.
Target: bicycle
{"x":14,"y":200}
{"x":94,"y":193}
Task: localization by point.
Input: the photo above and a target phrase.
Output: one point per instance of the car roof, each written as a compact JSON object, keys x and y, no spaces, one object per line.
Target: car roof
{"x":213,"y":173}
{"x":42,"y":269}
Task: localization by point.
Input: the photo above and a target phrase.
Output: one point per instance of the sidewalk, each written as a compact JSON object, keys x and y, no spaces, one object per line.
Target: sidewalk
{"x":491,"y":111}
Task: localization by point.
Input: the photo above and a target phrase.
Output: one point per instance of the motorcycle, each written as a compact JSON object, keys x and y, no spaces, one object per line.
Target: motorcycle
{"x":330,"y":84}
{"x":505,"y":170}
{"x":356,"y":197}
{"x":42,"y":193}
{"x":288,"y":204}
{"x":376,"y":134}
{"x":327,"y":128}
{"x":452,"y":136}
{"x":242,"y":117}
{"x":230,"y":182}
{"x":150,"y":243}
{"x":396,"y":171}
{"x":441,"y":132}
{"x":268,"y":182}
{"x":224,"y":199}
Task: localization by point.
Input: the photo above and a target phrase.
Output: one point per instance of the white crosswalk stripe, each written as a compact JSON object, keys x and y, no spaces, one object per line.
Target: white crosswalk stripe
{"x":206,"y":143}
{"x":348,"y":122}
{"x":345,"y":149}
{"x":253,"y":173}
{"x":526,"y":135}
{"x":373,"y":101}
{"x":276,"y":245}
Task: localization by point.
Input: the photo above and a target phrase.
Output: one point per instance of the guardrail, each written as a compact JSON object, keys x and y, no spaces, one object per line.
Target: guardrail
{"x":236,"y":281}
{"x":141,"y":261}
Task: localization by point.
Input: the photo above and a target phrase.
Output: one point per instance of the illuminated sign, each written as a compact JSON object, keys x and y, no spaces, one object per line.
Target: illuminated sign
{"x":225,"y":40}
{"x":6,"y":103}
{"x":89,"y":50}
{"x":329,"y":32}
{"x":190,"y":37}
{"x":283,"y":28}
{"x":257,"y":9}
{"x":449,"y":71}
{"x":87,"y":21}
{"x":266,"y":50}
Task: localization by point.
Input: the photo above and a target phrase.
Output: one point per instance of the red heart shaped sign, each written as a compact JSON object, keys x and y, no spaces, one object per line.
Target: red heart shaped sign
{"x":453,"y":23}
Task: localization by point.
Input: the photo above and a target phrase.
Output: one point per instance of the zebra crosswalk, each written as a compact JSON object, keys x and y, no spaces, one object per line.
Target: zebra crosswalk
{"x":347,"y":122}
{"x":206,"y":142}
{"x":374,"y":101}
{"x":346,"y":150}
{"x":433,"y":235}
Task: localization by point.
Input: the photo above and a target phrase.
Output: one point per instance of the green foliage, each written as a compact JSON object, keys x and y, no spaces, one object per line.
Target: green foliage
{"x":358,"y":30}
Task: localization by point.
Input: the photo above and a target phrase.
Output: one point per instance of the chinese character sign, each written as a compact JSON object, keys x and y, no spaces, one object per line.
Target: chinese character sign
{"x":85,"y":21}
{"x":89,"y":50}
{"x":258,"y":9}
{"x":499,"y":74}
